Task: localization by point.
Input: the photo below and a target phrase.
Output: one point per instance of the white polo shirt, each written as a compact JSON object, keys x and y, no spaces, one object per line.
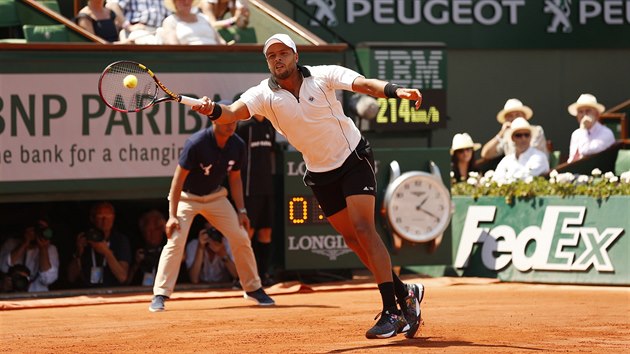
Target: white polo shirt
{"x":532,"y":162}
{"x":314,"y":124}
{"x":588,"y":142}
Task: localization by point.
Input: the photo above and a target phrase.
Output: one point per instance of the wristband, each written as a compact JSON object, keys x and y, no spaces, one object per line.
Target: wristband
{"x":242,"y":211}
{"x":216,"y":112}
{"x":390,"y":90}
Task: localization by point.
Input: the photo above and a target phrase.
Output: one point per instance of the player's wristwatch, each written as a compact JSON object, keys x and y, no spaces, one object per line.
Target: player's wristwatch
{"x":242,"y":211}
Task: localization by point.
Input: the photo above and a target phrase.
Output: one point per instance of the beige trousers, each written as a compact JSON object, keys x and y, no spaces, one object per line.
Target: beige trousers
{"x":219,"y":212}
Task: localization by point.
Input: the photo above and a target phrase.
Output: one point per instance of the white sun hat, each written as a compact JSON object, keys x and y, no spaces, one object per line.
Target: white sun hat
{"x":511,"y":105}
{"x":279,"y":38}
{"x":519,"y":124}
{"x":463,"y":141}
{"x":588,"y":100}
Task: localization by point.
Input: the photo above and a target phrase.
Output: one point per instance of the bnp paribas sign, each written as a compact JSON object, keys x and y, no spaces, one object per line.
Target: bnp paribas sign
{"x":477,"y":23}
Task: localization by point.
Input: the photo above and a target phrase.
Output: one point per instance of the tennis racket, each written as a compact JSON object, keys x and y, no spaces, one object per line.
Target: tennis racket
{"x":127,"y":86}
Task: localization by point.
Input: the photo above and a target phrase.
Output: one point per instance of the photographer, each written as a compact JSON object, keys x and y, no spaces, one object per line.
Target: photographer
{"x":142,"y":271}
{"x":34,"y":252}
{"x":208,"y":258}
{"x":102,"y":254}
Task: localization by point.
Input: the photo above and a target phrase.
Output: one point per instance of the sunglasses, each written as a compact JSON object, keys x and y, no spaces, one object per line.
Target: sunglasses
{"x":521,"y":135}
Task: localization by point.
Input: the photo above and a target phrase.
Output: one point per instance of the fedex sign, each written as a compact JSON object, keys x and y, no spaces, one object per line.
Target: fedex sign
{"x":560,"y":243}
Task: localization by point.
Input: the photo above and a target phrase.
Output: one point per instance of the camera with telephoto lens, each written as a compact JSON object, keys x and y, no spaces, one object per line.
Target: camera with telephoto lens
{"x":151,"y":258}
{"x":19,"y":275}
{"x":94,"y":235}
{"x":43,"y":231}
{"x":214,"y":234}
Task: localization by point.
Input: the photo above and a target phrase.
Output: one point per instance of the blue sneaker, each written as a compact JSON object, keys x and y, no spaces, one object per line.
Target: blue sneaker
{"x":260,"y":297}
{"x":387,"y":326}
{"x":412,"y":311}
{"x":157,"y":304}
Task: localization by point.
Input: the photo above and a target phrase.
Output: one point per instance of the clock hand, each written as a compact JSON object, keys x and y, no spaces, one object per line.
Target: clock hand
{"x":429,"y":213}
{"x":419,"y":207}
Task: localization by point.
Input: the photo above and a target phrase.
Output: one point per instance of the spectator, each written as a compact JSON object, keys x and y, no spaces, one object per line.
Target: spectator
{"x":142,"y":19}
{"x":462,"y":153}
{"x":208,"y":157}
{"x":186,"y":26}
{"x":152,"y":226}
{"x":257,"y":173}
{"x":99,"y":20}
{"x":526,"y":161}
{"x":209,"y":259}
{"x":33,"y":259}
{"x":217,"y":10}
{"x":102,"y":254}
{"x":591,"y":137}
{"x":502,"y":144}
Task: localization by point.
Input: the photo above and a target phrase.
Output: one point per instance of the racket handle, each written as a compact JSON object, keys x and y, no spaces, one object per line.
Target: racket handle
{"x":189,"y":101}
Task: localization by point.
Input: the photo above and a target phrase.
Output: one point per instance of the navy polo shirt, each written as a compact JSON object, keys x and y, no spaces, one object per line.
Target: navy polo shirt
{"x":207,"y":162}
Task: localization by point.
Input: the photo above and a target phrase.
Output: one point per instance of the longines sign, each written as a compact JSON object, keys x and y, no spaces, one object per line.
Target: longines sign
{"x":477,"y":23}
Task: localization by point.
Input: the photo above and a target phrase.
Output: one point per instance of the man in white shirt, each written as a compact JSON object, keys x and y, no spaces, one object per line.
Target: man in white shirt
{"x":591,"y":137}
{"x":525,"y":161}
{"x":301,"y":103}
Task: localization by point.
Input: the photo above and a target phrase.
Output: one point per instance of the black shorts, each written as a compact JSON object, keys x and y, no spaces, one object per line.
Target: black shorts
{"x":355,"y":176}
{"x":260,"y":211}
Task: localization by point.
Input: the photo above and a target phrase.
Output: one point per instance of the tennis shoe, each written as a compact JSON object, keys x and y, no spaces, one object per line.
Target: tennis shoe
{"x":412,"y":311}
{"x":260,"y":297}
{"x":387,"y":326}
{"x":157,"y":303}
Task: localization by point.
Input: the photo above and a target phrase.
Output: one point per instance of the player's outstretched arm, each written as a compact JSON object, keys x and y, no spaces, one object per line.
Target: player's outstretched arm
{"x":222,"y":114}
{"x":384,"y":89}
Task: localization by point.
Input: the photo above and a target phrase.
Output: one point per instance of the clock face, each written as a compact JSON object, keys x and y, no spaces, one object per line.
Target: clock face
{"x":418,"y":206}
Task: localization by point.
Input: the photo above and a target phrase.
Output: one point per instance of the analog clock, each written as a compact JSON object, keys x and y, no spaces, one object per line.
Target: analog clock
{"x":417,"y":205}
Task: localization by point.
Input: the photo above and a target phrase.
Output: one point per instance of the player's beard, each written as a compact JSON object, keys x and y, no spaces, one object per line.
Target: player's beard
{"x":284,"y":74}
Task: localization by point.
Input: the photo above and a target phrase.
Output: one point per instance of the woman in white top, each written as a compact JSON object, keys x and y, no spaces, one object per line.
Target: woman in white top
{"x":187,"y":26}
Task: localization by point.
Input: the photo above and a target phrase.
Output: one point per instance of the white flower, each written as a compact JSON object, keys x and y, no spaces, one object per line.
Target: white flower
{"x":553,"y":173}
{"x":613,"y":179}
{"x":565,"y":177}
{"x":472,"y":181}
{"x":608,"y":175}
{"x":483,"y":180}
{"x":489,"y":174}
{"x":625,"y":177}
{"x":452,"y":174}
{"x":473,"y":174}
{"x":582,"y":179}
{"x":529,"y":179}
{"x":596,"y":172}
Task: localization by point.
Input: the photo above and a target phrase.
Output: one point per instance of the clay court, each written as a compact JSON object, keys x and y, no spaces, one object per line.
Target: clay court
{"x":461,"y":315}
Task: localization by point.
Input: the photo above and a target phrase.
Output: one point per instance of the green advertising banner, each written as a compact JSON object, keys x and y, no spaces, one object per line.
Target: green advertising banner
{"x":573,"y":240}
{"x":473,"y":23}
{"x":311,"y":243}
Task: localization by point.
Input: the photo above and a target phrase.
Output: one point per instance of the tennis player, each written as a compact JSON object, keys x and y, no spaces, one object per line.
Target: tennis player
{"x":301,"y":104}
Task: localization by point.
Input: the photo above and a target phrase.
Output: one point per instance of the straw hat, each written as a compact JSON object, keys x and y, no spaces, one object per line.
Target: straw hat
{"x":586,"y":100}
{"x":519,"y":124}
{"x":512,"y":105}
{"x":463,"y":141}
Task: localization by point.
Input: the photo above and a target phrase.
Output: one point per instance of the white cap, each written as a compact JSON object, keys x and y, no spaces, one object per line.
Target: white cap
{"x":279,"y":38}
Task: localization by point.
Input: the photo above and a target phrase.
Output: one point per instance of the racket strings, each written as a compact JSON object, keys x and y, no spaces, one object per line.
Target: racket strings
{"x":121,"y":97}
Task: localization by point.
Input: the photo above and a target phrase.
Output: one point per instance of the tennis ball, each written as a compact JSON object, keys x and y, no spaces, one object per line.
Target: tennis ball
{"x":130,"y":81}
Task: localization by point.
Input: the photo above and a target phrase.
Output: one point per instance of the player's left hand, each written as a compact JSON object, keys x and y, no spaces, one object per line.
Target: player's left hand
{"x":410,"y":94}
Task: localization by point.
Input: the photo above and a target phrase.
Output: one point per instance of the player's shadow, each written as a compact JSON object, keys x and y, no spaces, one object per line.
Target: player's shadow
{"x":433,"y":342}
{"x":273,"y":307}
